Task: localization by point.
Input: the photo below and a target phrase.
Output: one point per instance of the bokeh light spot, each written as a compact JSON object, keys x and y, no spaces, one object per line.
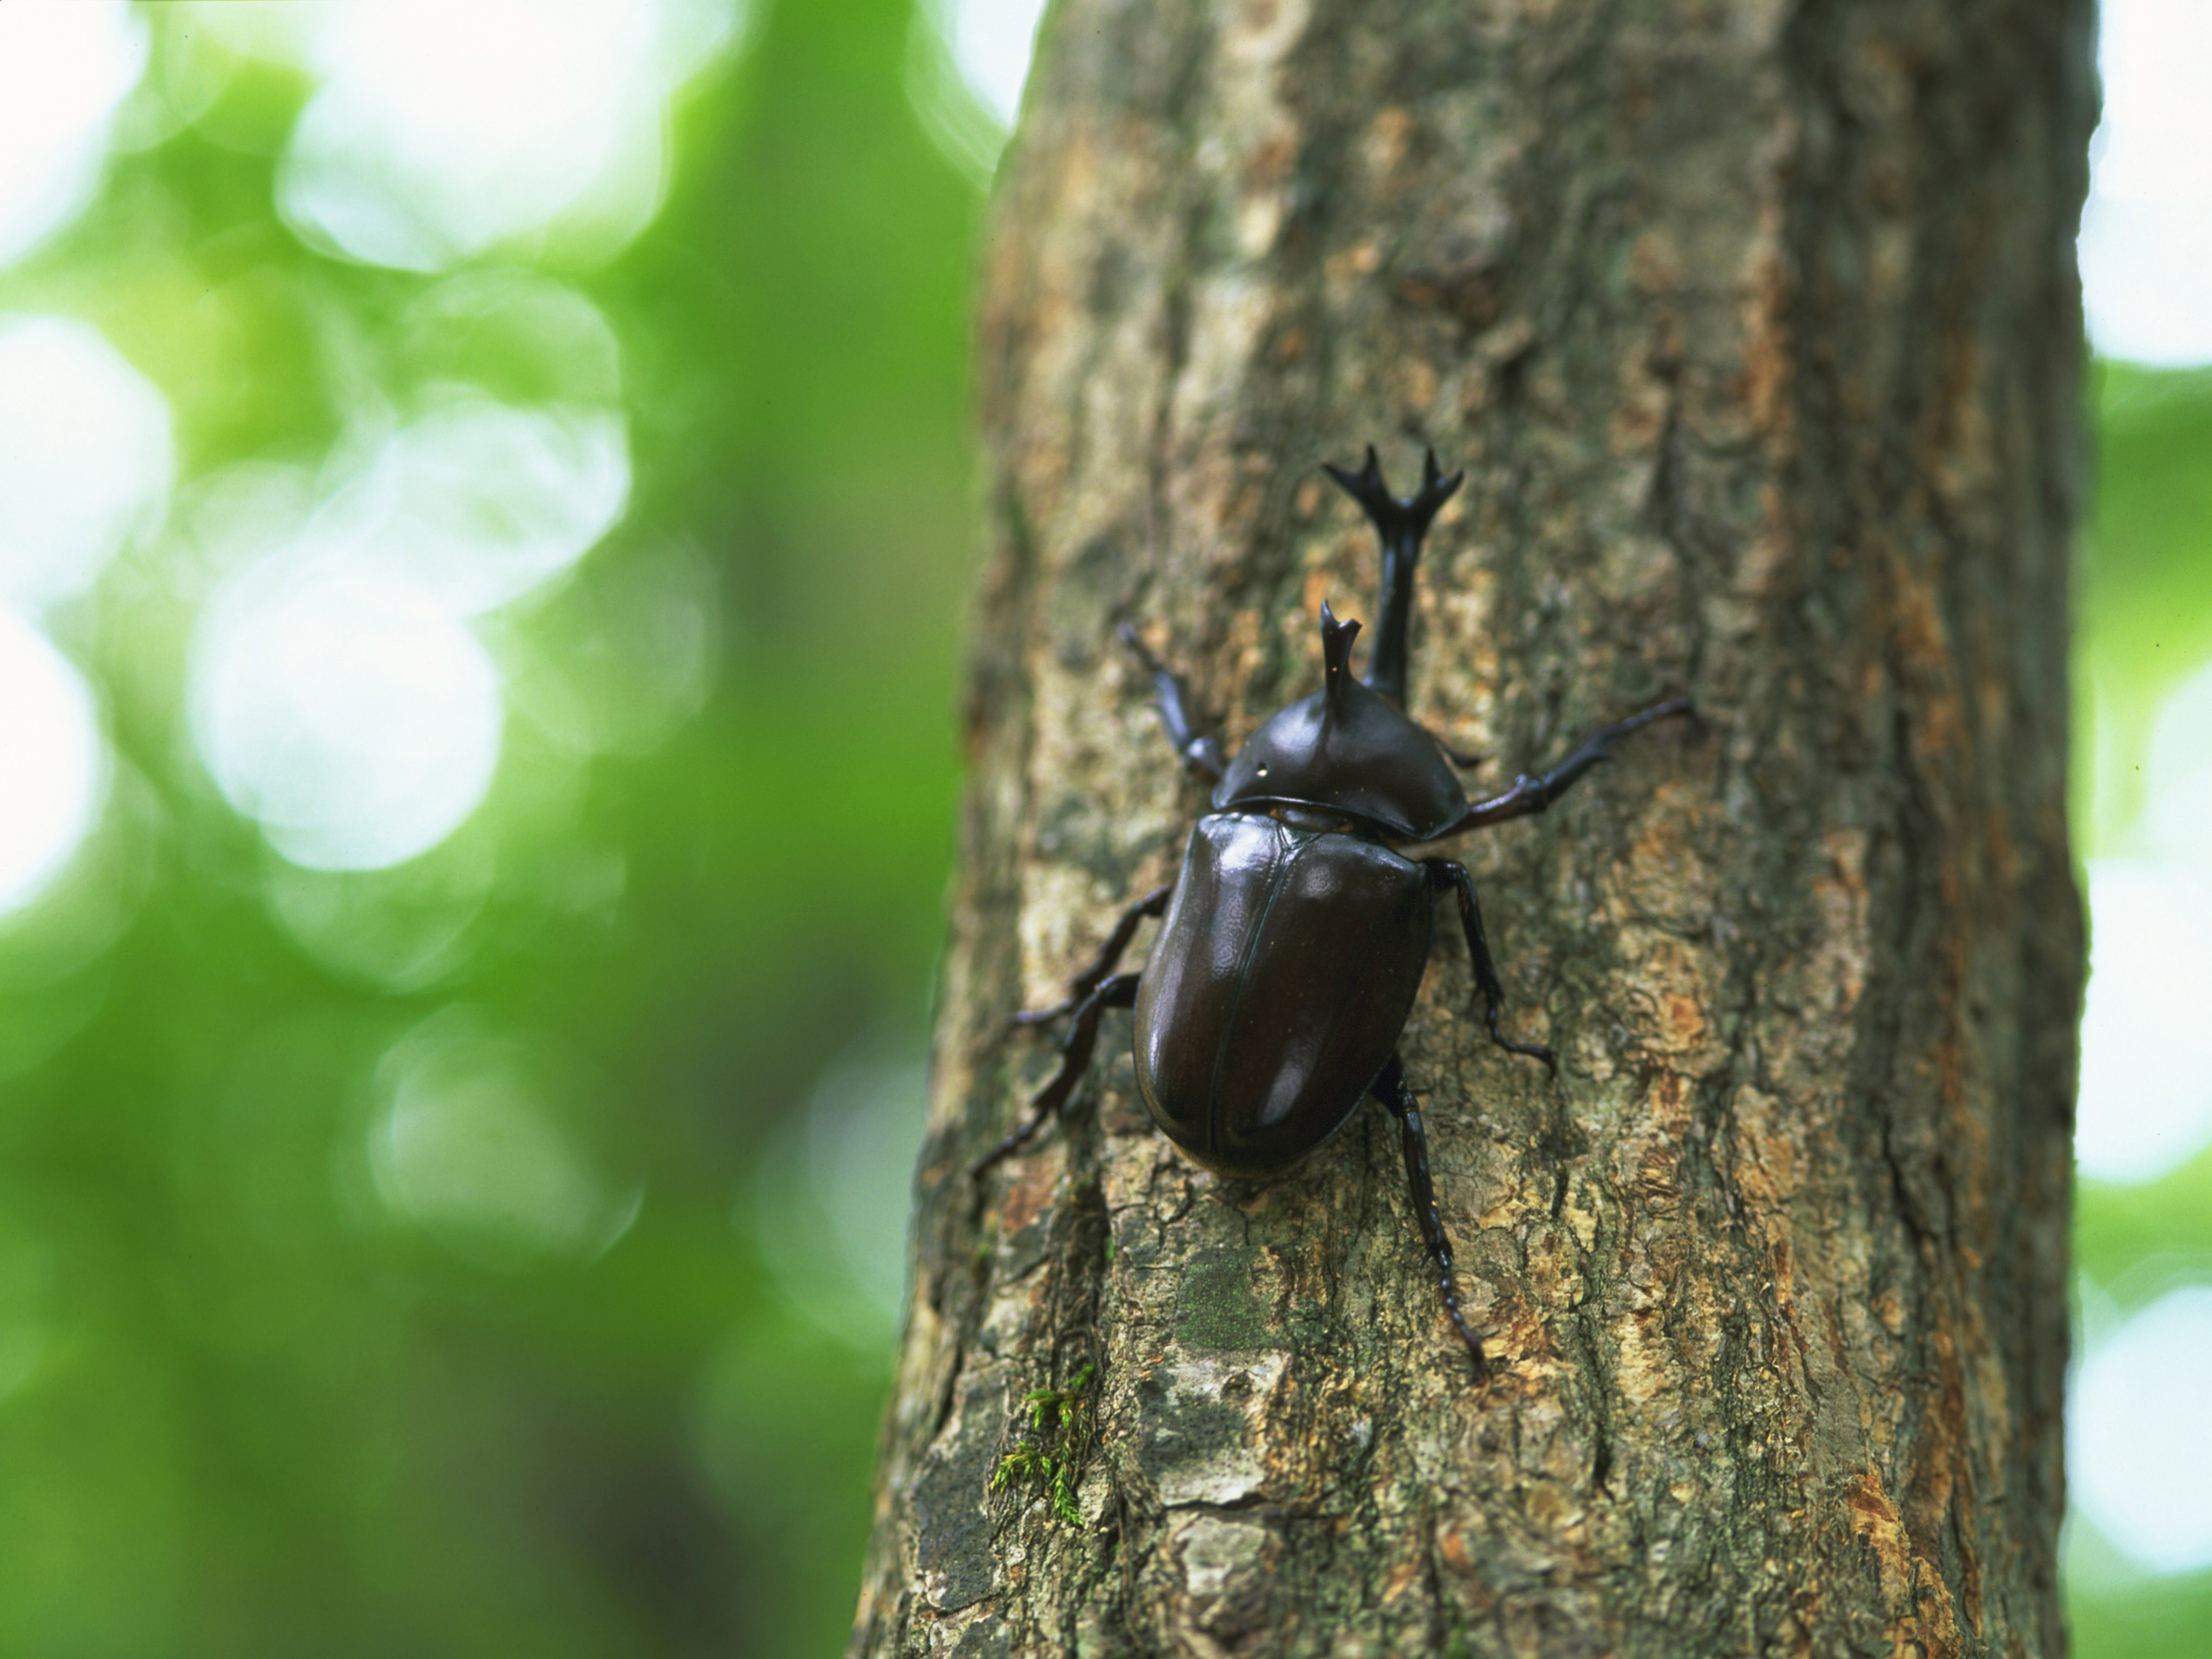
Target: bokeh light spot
{"x":337,"y":694}
{"x":344,"y":709}
{"x":477,"y":503}
{"x":835,"y":1191}
{"x":993,"y":41}
{"x":2145,"y":1091}
{"x":468,"y":1147}
{"x":2145,"y":1100}
{"x":967,"y":63}
{"x":2139,"y":1453}
{"x":2146,"y":228}
{"x":522,"y":114}
{"x":52,"y":762}
{"x":187,"y":70}
{"x":226,"y":518}
{"x":522,"y":337}
{"x":86,"y":456}
{"x":65,"y":67}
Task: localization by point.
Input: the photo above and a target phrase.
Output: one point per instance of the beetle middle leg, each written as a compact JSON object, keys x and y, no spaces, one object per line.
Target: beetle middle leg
{"x":1153,"y":904}
{"x":1390,"y":1089}
{"x":1075,"y":1050}
{"x":1446,"y":873}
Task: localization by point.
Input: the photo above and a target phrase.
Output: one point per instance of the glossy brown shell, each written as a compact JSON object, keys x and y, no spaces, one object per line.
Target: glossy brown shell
{"x":1277,"y":989}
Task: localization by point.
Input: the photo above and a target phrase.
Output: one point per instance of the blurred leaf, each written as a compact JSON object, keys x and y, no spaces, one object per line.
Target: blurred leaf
{"x":2119,"y":1231}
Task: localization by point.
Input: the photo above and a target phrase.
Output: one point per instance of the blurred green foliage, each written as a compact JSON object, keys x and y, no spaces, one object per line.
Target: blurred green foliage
{"x":243,"y":1408}
{"x":2145,"y":625}
{"x":2146,"y":614}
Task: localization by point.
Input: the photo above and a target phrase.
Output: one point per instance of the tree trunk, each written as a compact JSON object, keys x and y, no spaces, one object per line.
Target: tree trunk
{"x":1756,"y":329}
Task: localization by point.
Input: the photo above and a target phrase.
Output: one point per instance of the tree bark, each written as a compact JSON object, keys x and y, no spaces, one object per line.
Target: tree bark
{"x":1757,"y":328}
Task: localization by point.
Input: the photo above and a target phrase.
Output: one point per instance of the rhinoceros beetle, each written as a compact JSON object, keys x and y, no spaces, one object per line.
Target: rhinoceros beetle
{"x":1296,"y":936}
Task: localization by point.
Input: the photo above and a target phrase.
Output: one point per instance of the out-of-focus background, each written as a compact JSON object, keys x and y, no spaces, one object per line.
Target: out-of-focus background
{"x":485,"y":512}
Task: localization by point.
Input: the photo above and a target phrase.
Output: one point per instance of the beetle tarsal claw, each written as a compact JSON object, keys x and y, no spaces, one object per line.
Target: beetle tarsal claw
{"x":1538,"y":1051}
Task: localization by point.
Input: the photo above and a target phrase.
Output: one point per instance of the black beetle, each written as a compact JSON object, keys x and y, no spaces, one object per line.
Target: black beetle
{"x":1296,"y":936}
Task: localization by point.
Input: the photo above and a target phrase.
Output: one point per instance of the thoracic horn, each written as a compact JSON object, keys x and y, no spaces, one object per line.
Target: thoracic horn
{"x":1336,"y":638}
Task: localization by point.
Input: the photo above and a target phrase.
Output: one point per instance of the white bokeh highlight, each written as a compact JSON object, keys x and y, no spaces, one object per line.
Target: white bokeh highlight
{"x":2146,"y":243}
{"x":967,"y":63}
{"x":477,"y":504}
{"x":2146,"y":1093}
{"x":339,"y":693}
{"x":53,"y":764}
{"x":992,"y":42}
{"x":345,"y":710}
{"x":86,"y":457}
{"x":65,"y":68}
{"x":442,"y":131}
{"x":2139,"y":1451}
{"x":2146,"y":1097}
{"x":86,"y":463}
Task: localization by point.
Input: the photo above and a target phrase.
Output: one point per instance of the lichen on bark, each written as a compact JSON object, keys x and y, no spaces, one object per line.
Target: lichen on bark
{"x":1756,"y":327}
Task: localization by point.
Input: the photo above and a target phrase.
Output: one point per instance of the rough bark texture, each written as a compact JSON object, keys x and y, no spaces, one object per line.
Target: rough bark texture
{"x":1757,"y":329}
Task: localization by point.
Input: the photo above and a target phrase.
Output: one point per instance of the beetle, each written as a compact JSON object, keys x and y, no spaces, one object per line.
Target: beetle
{"x":1292,"y":943}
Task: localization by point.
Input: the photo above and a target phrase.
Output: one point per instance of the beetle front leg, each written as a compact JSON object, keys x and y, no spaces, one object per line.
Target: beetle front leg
{"x":1119,"y":991}
{"x":1153,"y":904}
{"x":1390,"y":1089}
{"x":1442,"y":873}
{"x":1530,"y":795}
{"x":1201,"y":754}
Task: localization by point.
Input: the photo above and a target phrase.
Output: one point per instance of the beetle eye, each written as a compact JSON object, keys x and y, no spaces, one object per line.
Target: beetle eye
{"x":1263,"y":769}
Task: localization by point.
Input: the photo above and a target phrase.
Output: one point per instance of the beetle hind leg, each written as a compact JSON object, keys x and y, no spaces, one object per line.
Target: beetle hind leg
{"x":1075,"y":1051}
{"x":1390,"y":1089}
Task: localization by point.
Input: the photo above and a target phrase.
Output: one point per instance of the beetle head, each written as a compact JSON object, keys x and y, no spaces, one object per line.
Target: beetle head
{"x":1349,"y":750}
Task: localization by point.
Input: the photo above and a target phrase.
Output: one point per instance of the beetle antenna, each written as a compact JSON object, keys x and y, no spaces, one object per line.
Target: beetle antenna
{"x":1336,"y":638}
{"x":1400,"y":525}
